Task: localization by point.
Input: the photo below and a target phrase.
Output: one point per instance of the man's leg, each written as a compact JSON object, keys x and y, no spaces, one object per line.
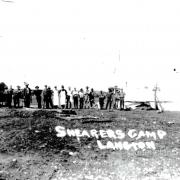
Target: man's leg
{"x":77,"y":103}
{"x":14,"y":100}
{"x":18,"y":102}
{"x":110,"y":104}
{"x":123,"y":103}
{"x":74,"y":101}
{"x":28,"y":101}
{"x":47,"y":103}
{"x":51,"y":103}
{"x":107,"y":103}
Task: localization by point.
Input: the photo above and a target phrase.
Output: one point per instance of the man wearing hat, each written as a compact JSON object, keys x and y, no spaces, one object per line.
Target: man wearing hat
{"x":16,"y":97}
{"x":27,"y":95}
{"x":37,"y":93}
{"x":63,"y":97}
{"x":49,"y":102}
{"x":109,"y":97}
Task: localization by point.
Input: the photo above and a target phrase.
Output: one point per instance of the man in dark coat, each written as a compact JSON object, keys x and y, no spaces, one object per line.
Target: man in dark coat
{"x":109,"y":97}
{"x":37,"y":93}
{"x":49,"y":94}
{"x":91,"y":97}
{"x":27,"y":96}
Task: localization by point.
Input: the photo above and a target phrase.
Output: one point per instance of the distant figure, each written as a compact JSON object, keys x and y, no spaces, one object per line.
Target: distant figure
{"x":122,"y":96}
{"x":37,"y":93}
{"x":16,"y":97}
{"x":91,"y":98}
{"x":9,"y":97}
{"x":109,"y":97}
{"x":81,"y":98}
{"x":101,"y":100}
{"x":56,"y":97}
{"x":117,"y":99}
{"x":69,"y":98}
{"x":49,"y":98}
{"x":27,"y":95}
{"x":62,"y":95}
{"x":75,"y":98}
{"x":45,"y":98}
{"x":86,"y":98}
{"x":5,"y":95}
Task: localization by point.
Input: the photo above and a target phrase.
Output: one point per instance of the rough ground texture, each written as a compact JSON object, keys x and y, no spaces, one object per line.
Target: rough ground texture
{"x":30,"y":149}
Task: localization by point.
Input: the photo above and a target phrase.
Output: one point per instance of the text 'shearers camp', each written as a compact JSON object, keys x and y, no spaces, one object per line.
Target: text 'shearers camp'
{"x":141,"y":139}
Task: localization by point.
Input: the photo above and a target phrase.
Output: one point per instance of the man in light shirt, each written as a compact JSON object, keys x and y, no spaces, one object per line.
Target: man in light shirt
{"x":69,"y":99}
{"x":62,"y":95}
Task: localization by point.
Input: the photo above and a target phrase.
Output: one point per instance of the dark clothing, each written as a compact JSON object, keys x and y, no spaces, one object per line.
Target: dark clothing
{"x":91,"y":98}
{"x":121,"y":103}
{"x":101,"y":101}
{"x":49,"y":102}
{"x":16,"y":97}
{"x":27,"y":97}
{"x":109,"y":100}
{"x":37,"y":93}
{"x":68,"y":102}
{"x":45,"y":99}
{"x":75,"y":98}
{"x":9,"y":97}
{"x":81,"y":100}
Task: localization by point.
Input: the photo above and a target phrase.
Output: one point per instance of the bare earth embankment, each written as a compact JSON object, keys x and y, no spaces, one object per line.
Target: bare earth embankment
{"x":114,"y":145}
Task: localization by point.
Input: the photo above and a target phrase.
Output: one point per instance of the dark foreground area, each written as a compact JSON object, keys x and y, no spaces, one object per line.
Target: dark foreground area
{"x":96,"y":145}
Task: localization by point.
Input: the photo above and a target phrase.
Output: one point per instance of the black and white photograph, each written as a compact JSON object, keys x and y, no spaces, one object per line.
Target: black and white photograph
{"x":89,"y":90}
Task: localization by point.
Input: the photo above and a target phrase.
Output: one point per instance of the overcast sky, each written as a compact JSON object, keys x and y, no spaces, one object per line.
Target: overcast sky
{"x":98,"y":43}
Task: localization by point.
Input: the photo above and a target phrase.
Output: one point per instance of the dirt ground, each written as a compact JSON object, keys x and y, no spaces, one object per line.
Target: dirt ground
{"x":30,"y":148}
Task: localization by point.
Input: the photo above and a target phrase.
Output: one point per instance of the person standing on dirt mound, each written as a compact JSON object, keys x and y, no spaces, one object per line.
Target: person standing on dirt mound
{"x":117,"y":99}
{"x":91,"y":97}
{"x":9,"y":97}
{"x":75,"y":98}
{"x":37,"y":93}
{"x":86,"y":98}
{"x":45,"y":98}
{"x":101,"y":100}
{"x":69,"y":99}
{"x":81,"y":98}
{"x":27,"y":95}
{"x":16,"y":97}
{"x":49,"y":98}
{"x":109,"y":97}
{"x":56,"y":98}
{"x":63,"y":95}
{"x":122,"y":96}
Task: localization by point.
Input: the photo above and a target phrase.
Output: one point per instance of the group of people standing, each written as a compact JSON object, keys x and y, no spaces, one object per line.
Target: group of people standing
{"x":65,"y":99}
{"x":11,"y":95}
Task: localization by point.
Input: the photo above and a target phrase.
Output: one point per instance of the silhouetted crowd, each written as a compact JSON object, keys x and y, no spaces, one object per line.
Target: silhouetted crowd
{"x":64,"y":98}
